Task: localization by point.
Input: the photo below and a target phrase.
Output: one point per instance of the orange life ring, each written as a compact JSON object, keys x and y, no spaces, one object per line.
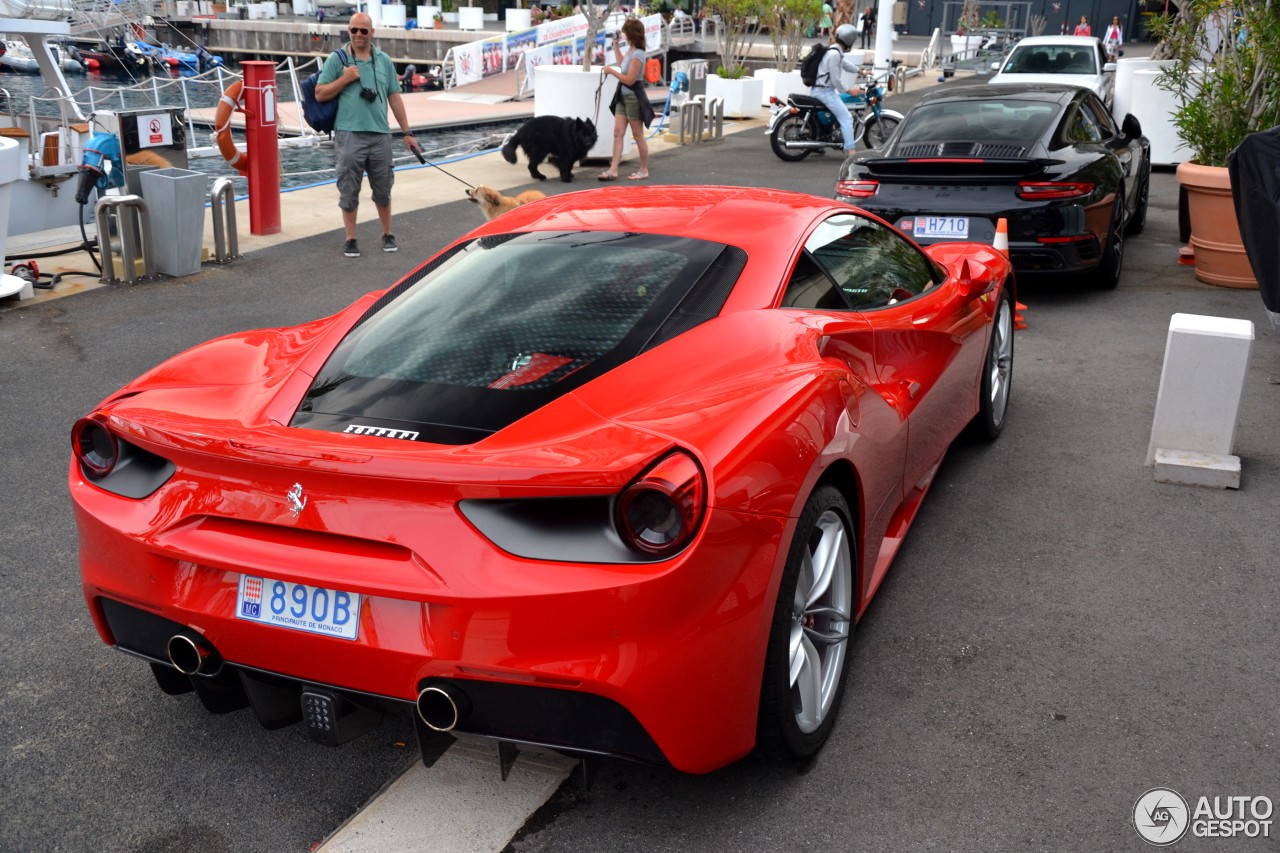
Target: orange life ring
{"x":227,"y":104}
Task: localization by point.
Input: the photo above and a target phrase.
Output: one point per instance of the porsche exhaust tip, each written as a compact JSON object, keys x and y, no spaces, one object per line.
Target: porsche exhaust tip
{"x":441,"y":706}
{"x":191,"y":655}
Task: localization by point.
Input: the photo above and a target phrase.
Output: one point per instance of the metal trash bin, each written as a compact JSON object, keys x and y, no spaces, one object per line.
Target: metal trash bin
{"x":175,"y":201}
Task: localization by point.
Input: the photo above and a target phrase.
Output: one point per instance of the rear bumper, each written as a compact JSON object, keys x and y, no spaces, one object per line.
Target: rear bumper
{"x":569,"y":720}
{"x":623,"y":651}
{"x":1043,"y":238}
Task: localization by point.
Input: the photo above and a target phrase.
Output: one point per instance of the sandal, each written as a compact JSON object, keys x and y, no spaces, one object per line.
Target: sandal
{"x":637,"y":176}
{"x":606,"y":176}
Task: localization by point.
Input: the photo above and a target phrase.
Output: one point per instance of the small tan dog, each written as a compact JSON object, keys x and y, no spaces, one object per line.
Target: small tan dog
{"x":493,"y":203}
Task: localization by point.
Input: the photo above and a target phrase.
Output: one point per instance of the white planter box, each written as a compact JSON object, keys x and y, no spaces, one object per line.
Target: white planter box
{"x":742,"y":97}
{"x":568,"y":91}
{"x":1137,"y":93}
{"x":963,"y":47}
{"x":471,"y":18}
{"x":779,"y":84}
{"x":427,"y":16}
{"x":519,"y":19}
{"x":393,"y":16}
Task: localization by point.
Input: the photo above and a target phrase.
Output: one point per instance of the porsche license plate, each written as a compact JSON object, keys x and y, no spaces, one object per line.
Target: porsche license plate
{"x":942,"y":226}
{"x":331,"y":612}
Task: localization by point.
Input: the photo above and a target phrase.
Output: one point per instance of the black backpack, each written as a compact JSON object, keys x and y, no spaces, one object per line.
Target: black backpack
{"x":810,"y":63}
{"x":319,"y":114}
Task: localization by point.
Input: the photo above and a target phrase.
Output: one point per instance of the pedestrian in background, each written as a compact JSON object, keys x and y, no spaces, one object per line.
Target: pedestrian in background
{"x":361,"y":135}
{"x":868,"y":21}
{"x":1083,"y":28}
{"x":1114,"y":38}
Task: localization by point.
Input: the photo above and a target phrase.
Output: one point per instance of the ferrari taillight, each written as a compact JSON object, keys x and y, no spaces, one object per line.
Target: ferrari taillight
{"x":1053,"y":190}
{"x":94,"y":445}
{"x":857,"y":189}
{"x":661,"y":510}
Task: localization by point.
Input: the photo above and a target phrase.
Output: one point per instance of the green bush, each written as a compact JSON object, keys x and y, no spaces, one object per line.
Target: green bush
{"x":1228,"y":87}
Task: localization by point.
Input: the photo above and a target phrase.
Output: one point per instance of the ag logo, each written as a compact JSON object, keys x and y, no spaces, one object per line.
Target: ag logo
{"x":1161,"y":816}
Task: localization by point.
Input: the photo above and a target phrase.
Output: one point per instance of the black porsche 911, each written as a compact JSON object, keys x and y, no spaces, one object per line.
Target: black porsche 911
{"x":1047,"y":158}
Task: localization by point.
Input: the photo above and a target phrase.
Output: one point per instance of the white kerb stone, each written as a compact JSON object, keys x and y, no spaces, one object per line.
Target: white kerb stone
{"x":1201,"y":385}
{"x":1211,"y":470}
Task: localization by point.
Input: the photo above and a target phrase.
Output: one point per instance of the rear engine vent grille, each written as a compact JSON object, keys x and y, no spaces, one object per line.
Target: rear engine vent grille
{"x":961,"y":149}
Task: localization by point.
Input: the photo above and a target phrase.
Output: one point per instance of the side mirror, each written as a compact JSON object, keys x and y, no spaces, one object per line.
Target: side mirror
{"x":975,"y":278}
{"x":995,"y":66}
{"x":1131,"y":126}
{"x":1109,"y":68}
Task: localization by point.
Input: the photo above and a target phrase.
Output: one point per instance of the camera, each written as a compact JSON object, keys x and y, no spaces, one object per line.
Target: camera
{"x":368,"y":94}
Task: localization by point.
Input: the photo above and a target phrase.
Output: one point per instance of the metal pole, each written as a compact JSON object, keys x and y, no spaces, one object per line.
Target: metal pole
{"x":262,"y":146}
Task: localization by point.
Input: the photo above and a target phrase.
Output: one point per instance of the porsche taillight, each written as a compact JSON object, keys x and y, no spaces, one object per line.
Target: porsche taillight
{"x":857,"y":189}
{"x":660,"y":511}
{"x":94,"y":445}
{"x":1053,"y":190}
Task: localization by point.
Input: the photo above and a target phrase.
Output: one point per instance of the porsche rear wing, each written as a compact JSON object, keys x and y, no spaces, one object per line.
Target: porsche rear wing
{"x":968,"y":168}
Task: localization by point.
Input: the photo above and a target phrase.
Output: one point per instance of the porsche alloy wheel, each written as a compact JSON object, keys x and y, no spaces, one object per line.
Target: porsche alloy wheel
{"x":1138,"y":221}
{"x":997,"y":373}
{"x":1113,"y":249}
{"x":812,"y":625}
{"x":790,"y":129}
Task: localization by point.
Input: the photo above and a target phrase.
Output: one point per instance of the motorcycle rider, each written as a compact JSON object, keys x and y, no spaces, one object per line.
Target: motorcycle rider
{"x":827,"y":87}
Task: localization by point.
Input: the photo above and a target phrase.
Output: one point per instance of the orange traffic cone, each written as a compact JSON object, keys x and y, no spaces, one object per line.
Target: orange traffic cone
{"x":1001,"y":242}
{"x":1019,"y":322}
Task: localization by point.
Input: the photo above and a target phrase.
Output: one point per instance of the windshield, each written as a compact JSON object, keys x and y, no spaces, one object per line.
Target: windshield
{"x":504,"y":325}
{"x":1052,"y":59}
{"x":1005,"y":120}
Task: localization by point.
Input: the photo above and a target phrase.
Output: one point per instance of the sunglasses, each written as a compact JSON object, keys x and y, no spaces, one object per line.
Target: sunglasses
{"x":363,"y":31}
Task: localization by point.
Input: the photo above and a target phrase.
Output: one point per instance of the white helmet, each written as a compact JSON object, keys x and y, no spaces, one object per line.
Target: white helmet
{"x":845,"y":34}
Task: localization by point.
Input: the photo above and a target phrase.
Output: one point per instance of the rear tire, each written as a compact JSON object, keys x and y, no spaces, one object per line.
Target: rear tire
{"x":790,"y":129}
{"x":808,"y":652}
{"x":1139,"y":219}
{"x":1108,"y":275}
{"x":997,"y":374}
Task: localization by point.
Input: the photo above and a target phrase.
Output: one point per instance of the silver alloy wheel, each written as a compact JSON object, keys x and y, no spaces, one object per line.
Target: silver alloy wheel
{"x":1000,"y":361}
{"x":821,"y":618}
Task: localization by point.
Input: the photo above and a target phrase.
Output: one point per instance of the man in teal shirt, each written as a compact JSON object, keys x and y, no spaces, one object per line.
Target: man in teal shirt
{"x":366,"y":84}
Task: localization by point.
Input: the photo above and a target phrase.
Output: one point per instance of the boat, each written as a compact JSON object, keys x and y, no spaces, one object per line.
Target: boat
{"x":41,"y":148}
{"x":17,"y":56}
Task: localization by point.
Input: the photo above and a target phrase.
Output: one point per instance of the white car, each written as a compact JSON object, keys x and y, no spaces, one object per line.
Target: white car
{"x":1074,"y":60}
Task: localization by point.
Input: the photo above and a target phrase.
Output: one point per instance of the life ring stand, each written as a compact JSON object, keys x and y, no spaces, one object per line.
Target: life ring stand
{"x":227,"y":104}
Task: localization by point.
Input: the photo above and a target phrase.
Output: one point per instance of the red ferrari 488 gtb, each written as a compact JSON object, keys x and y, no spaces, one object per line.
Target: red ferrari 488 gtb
{"x":611,"y":457}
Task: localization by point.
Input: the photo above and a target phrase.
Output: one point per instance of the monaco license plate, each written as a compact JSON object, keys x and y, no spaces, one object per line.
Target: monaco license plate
{"x":942,"y":226}
{"x":316,"y":610}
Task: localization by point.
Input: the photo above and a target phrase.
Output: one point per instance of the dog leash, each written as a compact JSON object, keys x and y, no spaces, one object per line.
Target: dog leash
{"x":424,"y":161}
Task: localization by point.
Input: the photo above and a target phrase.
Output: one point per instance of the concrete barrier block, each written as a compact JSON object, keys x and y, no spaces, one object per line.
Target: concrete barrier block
{"x":1201,"y":385}
{"x":1212,"y":470}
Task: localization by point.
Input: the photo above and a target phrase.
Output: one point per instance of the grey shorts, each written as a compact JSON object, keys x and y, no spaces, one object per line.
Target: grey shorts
{"x":357,"y":154}
{"x":629,"y":105}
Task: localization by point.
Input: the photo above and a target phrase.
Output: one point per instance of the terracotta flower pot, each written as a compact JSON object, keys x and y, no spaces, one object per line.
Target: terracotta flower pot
{"x":1215,"y":234}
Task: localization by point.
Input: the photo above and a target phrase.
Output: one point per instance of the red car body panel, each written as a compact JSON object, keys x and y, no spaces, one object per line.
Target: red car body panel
{"x":875,"y":396}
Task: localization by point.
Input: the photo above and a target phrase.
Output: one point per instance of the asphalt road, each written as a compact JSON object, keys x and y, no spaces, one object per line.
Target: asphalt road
{"x":1058,"y":635}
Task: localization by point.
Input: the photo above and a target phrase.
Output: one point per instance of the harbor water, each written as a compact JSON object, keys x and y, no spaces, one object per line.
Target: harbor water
{"x":97,"y":91}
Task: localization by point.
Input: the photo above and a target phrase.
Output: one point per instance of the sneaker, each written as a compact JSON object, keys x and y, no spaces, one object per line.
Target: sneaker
{"x":389,"y":243}
{"x":352,"y":249}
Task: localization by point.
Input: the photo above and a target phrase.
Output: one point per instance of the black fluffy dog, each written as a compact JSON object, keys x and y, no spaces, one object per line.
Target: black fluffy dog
{"x":564,"y":140}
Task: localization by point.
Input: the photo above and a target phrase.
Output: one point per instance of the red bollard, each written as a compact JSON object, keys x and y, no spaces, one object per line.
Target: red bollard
{"x":263,"y":146}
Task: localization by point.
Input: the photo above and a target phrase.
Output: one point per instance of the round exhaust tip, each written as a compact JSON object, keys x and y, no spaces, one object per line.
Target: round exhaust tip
{"x":187,"y":656}
{"x":442,"y":706}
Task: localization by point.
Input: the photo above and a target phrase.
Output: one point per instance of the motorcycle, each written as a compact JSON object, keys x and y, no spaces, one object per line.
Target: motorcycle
{"x":803,"y":124}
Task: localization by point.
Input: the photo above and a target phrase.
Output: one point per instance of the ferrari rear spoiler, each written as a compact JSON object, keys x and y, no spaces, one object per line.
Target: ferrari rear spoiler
{"x":959,"y":167}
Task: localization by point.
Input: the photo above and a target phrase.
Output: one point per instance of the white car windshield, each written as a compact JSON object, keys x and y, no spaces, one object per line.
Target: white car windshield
{"x":1052,"y":59}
